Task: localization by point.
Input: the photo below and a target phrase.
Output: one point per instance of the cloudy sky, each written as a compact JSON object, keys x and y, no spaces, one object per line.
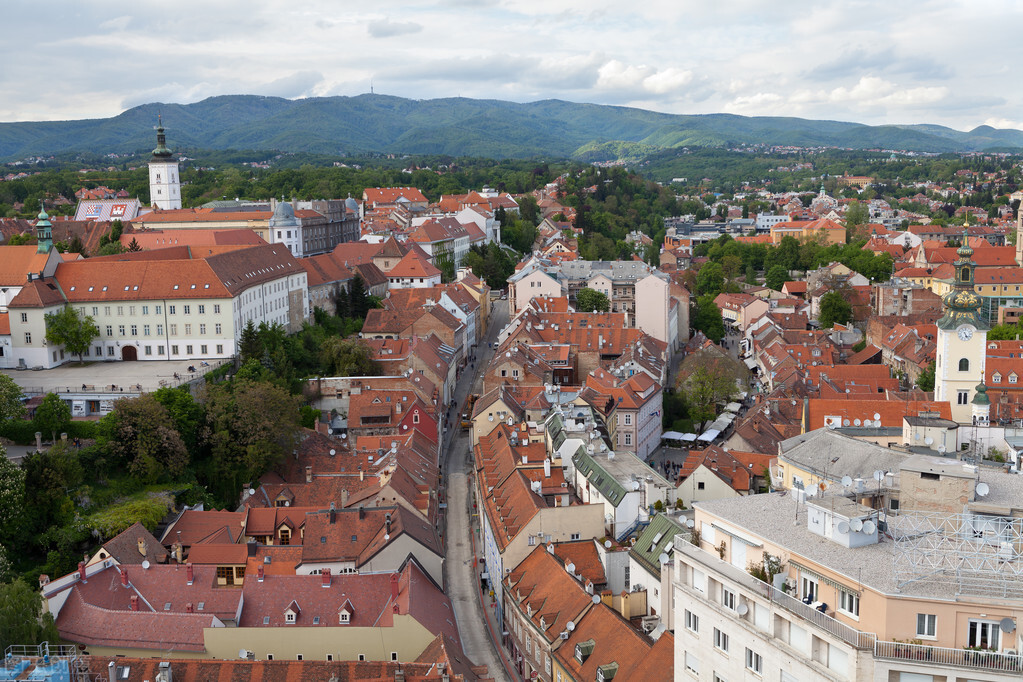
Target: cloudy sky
{"x":898,"y":61}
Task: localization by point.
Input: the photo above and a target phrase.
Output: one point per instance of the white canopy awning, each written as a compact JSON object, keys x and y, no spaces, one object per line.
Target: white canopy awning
{"x":709,"y":435}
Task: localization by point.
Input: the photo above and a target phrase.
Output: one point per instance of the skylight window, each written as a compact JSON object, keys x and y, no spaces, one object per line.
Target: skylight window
{"x":166,"y":606}
{"x":126,"y":287}
{"x":193,"y":286}
{"x":91,"y":288}
{"x":72,"y":288}
{"x":207,"y":286}
{"x":175,"y":287}
{"x":266,"y":620}
{"x":202,"y":605}
{"x":135,"y":288}
{"x":104,"y":288}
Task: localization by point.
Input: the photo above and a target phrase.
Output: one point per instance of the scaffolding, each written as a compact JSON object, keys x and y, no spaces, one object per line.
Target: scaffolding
{"x":977,"y":554}
{"x":49,"y":662}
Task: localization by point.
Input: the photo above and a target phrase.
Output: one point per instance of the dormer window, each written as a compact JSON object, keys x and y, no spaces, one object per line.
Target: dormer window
{"x":1012,"y":378}
{"x":289,"y":617}
{"x":344,"y":618}
{"x":996,"y":378}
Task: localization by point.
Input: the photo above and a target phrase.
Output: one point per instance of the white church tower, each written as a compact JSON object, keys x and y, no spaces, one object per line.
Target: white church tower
{"x":164,"y":183}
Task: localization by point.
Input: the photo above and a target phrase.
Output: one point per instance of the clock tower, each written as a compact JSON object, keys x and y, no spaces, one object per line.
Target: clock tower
{"x":962,"y":341}
{"x":164,"y":183}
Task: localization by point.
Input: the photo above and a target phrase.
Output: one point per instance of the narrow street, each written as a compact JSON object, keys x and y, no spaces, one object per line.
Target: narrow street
{"x":477,"y":631}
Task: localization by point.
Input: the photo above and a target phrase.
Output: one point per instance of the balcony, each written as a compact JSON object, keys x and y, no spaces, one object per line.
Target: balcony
{"x":960,"y":658}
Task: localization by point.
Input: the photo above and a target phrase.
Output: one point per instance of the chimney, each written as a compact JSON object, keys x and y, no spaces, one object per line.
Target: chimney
{"x":546,"y":468}
{"x":124,"y":577}
{"x":189,"y":608}
{"x":525,"y":458}
{"x":309,"y":474}
{"x":134,"y":602}
{"x":387,"y":523}
{"x":344,"y":498}
{"x":142,"y":546}
{"x":81,"y":571}
{"x":165,"y":674}
{"x":260,"y":573}
{"x":332,"y":515}
{"x":111,"y":672}
{"x":251,"y":548}
{"x":189,"y":571}
{"x":397,"y":408}
{"x":325,"y":574}
{"x":399,"y":675}
{"x":362,"y":512}
{"x":394,"y":591}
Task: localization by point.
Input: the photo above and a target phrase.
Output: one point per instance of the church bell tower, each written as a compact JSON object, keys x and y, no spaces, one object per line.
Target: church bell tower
{"x":164,"y":183}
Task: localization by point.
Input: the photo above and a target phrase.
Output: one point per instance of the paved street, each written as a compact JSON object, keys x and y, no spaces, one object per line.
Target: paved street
{"x":460,"y":571}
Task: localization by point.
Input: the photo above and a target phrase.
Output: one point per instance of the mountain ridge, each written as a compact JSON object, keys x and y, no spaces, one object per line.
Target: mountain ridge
{"x":461,"y":127}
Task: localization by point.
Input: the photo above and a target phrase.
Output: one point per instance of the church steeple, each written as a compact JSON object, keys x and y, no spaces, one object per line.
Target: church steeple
{"x":164,"y":183}
{"x":44,"y":232}
{"x":161,"y":151}
{"x":962,"y":305}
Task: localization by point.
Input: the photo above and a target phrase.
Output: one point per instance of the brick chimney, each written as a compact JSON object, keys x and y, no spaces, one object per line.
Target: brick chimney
{"x":394,"y":591}
{"x":189,"y":608}
{"x":362,"y":512}
{"x":325,"y":575}
{"x":309,"y":474}
{"x":190,"y":572}
{"x":387,"y":523}
{"x":124,"y":577}
{"x":259,"y":573}
{"x":81,"y":571}
{"x":134,"y":602}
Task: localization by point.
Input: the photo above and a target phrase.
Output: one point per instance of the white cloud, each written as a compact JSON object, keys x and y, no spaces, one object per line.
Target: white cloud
{"x":385,"y":28}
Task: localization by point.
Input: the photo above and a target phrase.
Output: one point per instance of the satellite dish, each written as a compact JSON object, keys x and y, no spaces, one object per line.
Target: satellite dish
{"x":878,"y":475}
{"x":983,"y":489}
{"x":856,"y":422}
{"x":742,"y":609}
{"x":344,"y":435}
{"x":330,"y":430}
{"x":876,"y":416}
{"x":333,"y":452}
{"x":596,"y":599}
{"x":1007,"y":625}
{"x":846,"y":481}
{"x":831,"y":425}
{"x":811,"y":492}
{"x":243,"y":653}
{"x":857,"y":525}
{"x":664,"y":558}
{"x":252,"y":491}
{"x":607,"y":544}
{"x":941,"y":448}
{"x":570,"y":567}
{"x":145,"y":564}
{"x":843,"y":527}
{"x":571,"y":625}
{"x":928,"y":440}
{"x":690,"y":523}
{"x":869,"y":527}
{"x":845,"y":422}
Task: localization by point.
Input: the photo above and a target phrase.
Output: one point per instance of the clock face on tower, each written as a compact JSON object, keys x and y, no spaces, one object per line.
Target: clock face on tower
{"x":966,"y":332}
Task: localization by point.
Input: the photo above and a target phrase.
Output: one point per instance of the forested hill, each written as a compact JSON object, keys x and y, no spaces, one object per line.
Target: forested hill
{"x":461,"y":127}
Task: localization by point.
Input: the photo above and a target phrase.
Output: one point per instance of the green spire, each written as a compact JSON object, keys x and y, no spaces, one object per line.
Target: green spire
{"x":44,"y":232}
{"x":161,"y":151}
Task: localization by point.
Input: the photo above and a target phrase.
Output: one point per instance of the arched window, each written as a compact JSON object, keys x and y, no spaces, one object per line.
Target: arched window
{"x":964,"y":365}
{"x":966,"y":274}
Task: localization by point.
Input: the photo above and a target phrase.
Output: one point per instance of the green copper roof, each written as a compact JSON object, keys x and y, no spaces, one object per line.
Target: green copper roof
{"x":601,"y":479}
{"x":161,"y":151}
{"x":656,"y":538}
{"x":980,"y":397}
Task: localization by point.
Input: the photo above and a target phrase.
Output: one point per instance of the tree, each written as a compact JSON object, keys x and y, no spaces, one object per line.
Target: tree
{"x":21,"y":620}
{"x":706,"y":318}
{"x":707,"y":386}
{"x":12,"y":494}
{"x":140,"y":435}
{"x":776,"y":277}
{"x":68,"y":328}
{"x":925,"y":381}
{"x":857,"y":214}
{"x":52,"y":415}
{"x":133,"y":245}
{"x":248,"y":344}
{"x":348,"y":357}
{"x":590,"y":300}
{"x":710,"y":279}
{"x":11,"y":399}
{"x":834,"y":309}
{"x":186,"y":412}
{"x":358,"y":298}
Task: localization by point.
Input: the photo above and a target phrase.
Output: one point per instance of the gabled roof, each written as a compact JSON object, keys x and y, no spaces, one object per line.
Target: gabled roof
{"x":610,"y":643}
{"x":134,"y":545}
{"x":413,"y":266}
{"x":540,"y":585}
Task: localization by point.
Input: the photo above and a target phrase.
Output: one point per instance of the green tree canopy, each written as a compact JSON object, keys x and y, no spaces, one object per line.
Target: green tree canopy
{"x":834,"y":309}
{"x":925,"y":382}
{"x":141,"y":436}
{"x":68,"y":328}
{"x":704,"y":389}
{"x":776,"y":277}
{"x":21,"y":616}
{"x":710,"y":279}
{"x":52,"y":415}
{"x":348,"y":357}
{"x":11,"y":405}
{"x":706,"y":317}
{"x":590,"y":300}
{"x":12,"y":494}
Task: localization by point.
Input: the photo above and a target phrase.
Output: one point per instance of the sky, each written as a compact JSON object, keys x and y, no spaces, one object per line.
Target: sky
{"x":945,"y":62}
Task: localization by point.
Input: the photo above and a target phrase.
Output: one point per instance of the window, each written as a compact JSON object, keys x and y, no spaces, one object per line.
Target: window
{"x":149,"y":350}
{"x":628,"y":439}
{"x":220,"y":349}
{"x":289,"y":617}
{"x":344,"y":617}
{"x":720,"y":640}
{"x":173,"y":329}
{"x":1012,"y":378}
{"x":298,"y":657}
{"x":218,"y":328}
{"x":964,"y":364}
{"x":628,"y":420}
{"x":269,"y":657}
{"x":700,"y":485}
{"x":532,"y":540}
{"x":983,"y":634}
{"x":187,"y":309}
{"x":754,"y":661}
{"x":809,"y":589}
{"x":574,"y":536}
{"x":926,"y":625}
{"x":692,"y":621}
{"x":110,"y":330}
{"x":120,"y":329}
{"x":159,"y":310}
{"x":849,"y":603}
{"x":362,"y":657}
{"x":202,"y":349}
{"x":145,"y":330}
{"x":134,"y":330}
{"x":110,"y":351}
{"x":106,"y":308}
{"x":202,"y":310}
{"x":145,"y":310}
{"x":394,"y":655}
{"x":202,"y":329}
{"x":728,"y":598}
{"x":171,"y":309}
{"x":216,"y":309}
{"x":159,"y":330}
{"x":159,"y":350}
{"x":120,"y":310}
{"x":95,"y":310}
{"x":962,"y":397}
{"x":174,"y":350}
{"x":188,"y":349}
{"x":28,"y":337}
{"x":692,"y":664}
{"x":188,"y":330}
{"x":99,"y":351}
{"x":24,"y":317}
